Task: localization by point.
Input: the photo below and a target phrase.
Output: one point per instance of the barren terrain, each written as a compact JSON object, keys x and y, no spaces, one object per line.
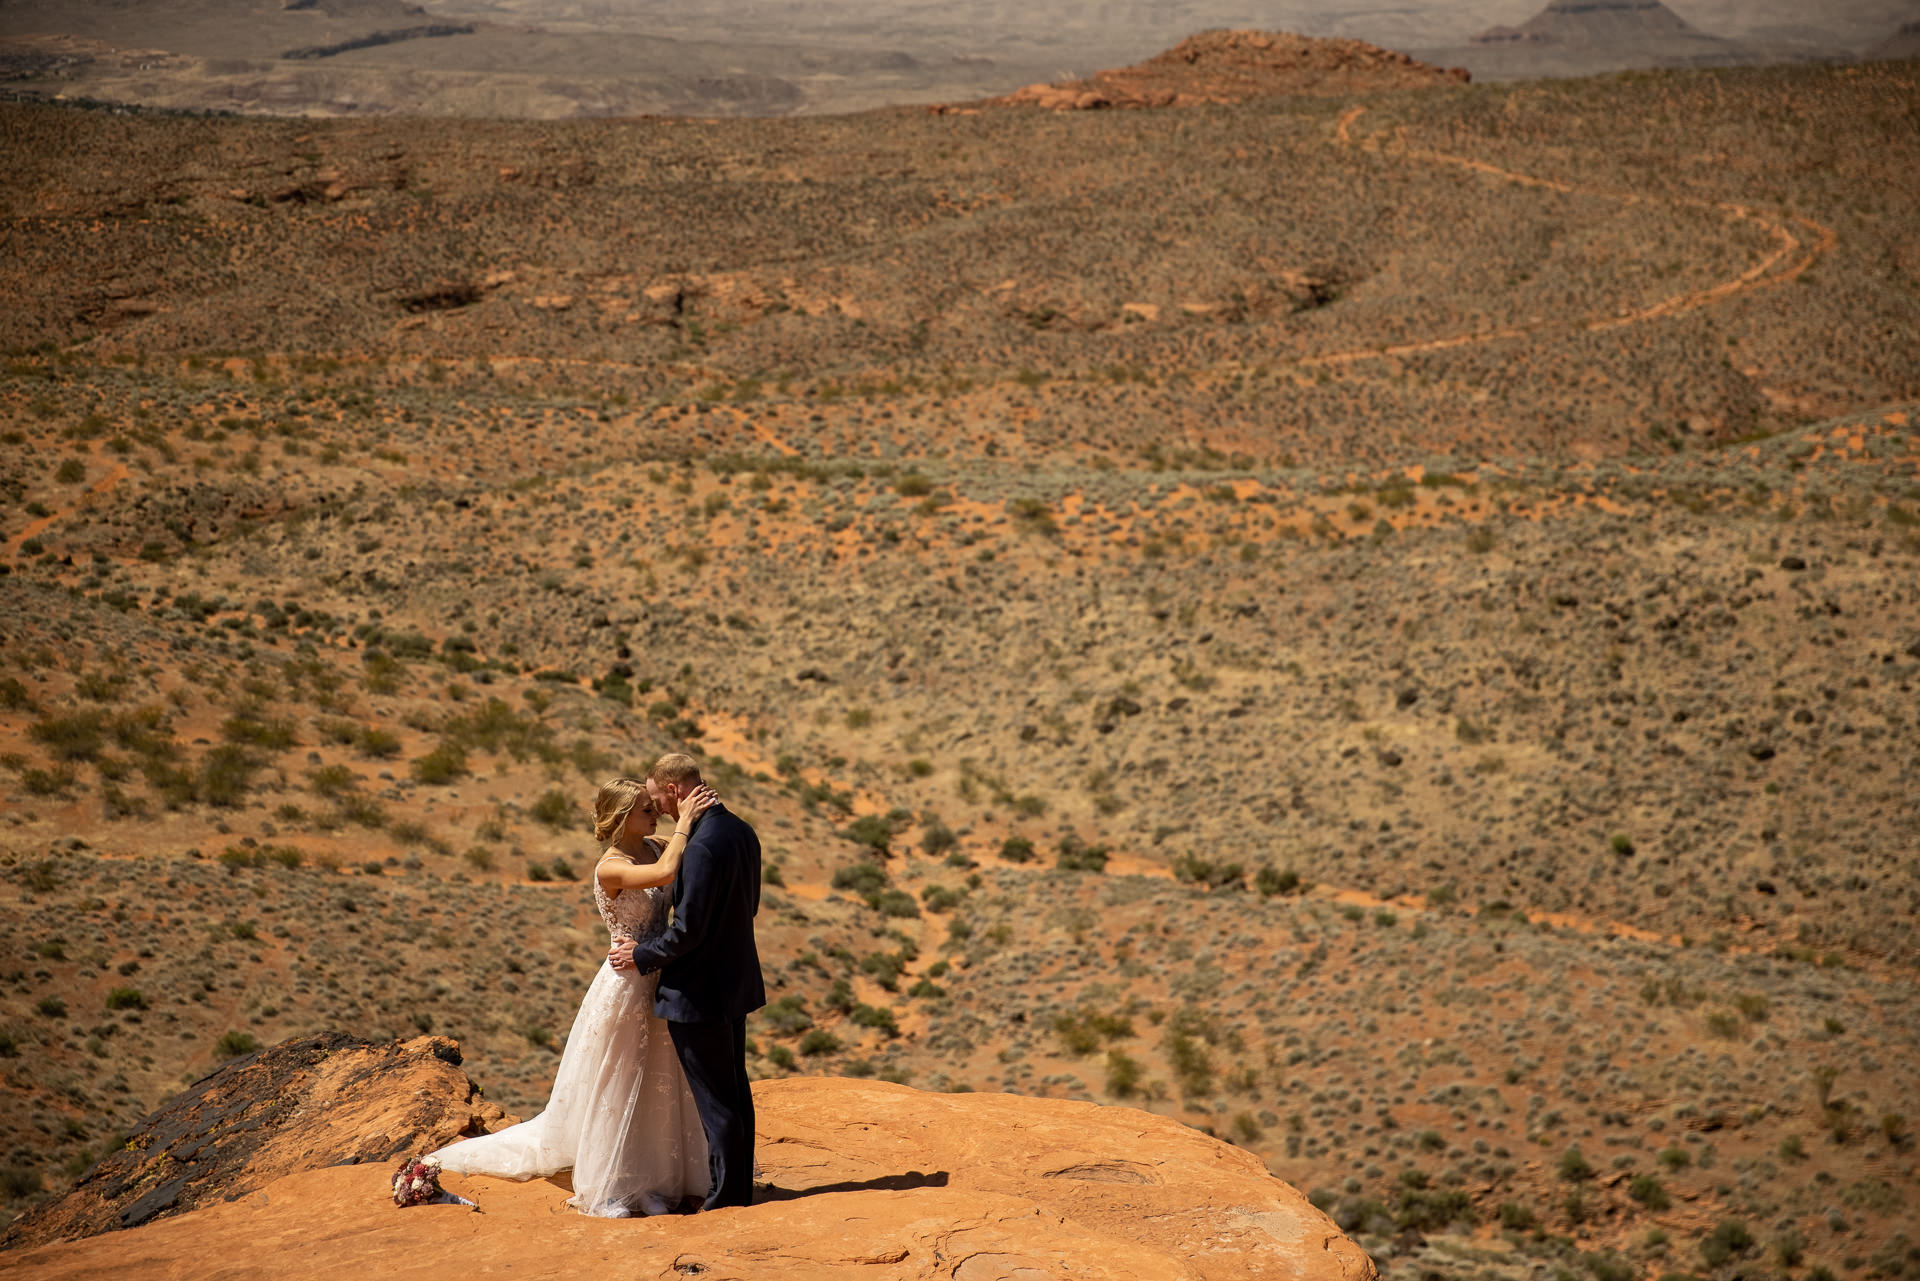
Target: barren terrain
{"x":1384,"y":627}
{"x":556,"y":59}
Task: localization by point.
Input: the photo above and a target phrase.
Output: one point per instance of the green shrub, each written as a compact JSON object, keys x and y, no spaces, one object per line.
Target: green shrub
{"x":1192,"y":1064}
{"x":48,"y":782}
{"x":1573,"y":1166}
{"x":884,"y":968}
{"x":1270,"y":881}
{"x":234,"y":1044}
{"x":78,"y":737}
{"x":1075,"y":856}
{"x":1017,"y":849}
{"x":1515,"y":1217}
{"x":876,"y":1016}
{"x":1123,"y":1074}
{"x":787,"y":1015}
{"x":897,"y":903}
{"x":863,"y":878}
{"x":332,"y":780}
{"x":1083,"y":1031}
{"x":1609,"y":1267}
{"x":52,"y":1007}
{"x":445,"y":763}
{"x":1648,"y":1191}
{"x":274,"y":735}
{"x":1431,"y":1211}
{"x":554,"y":808}
{"x":819,"y":1041}
{"x":226,"y":772}
{"x":17,"y":1181}
{"x":377,"y":743}
{"x":1728,"y":1240}
{"x":872,"y":831}
{"x":1193,"y":869}
{"x":126,"y":998}
{"x":939,"y":898}
{"x":362,"y":811}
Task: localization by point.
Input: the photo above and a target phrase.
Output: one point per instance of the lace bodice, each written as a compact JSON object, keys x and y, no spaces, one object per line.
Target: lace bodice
{"x":622,"y":1117}
{"x":634,"y":914}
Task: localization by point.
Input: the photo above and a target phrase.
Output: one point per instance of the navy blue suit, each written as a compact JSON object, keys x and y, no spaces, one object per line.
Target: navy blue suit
{"x":709,"y":982}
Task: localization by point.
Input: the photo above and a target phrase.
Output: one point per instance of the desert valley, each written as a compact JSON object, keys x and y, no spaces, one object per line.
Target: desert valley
{"x":1373,"y":616}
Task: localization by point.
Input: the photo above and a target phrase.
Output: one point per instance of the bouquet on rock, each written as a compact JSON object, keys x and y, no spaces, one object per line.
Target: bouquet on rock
{"x":417,"y":1182}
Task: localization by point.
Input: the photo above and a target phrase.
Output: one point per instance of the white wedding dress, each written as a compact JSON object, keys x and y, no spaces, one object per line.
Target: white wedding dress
{"x":621,"y":1116}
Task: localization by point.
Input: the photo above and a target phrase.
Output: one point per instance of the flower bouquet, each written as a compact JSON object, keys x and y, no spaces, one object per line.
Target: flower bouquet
{"x":417,"y":1182}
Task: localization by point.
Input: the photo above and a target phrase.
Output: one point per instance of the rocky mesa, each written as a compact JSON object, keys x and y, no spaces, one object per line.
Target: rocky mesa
{"x":857,"y":1178}
{"x":1221,"y":67}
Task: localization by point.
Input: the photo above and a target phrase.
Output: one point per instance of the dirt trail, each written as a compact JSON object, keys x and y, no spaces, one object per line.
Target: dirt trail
{"x":1767,"y":271}
{"x":42,"y":525}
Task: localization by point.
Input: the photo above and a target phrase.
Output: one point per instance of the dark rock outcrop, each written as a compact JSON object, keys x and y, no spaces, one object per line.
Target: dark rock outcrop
{"x":331,"y":1099}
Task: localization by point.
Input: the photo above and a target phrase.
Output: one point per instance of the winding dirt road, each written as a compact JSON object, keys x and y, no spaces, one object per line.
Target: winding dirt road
{"x":1767,"y":272}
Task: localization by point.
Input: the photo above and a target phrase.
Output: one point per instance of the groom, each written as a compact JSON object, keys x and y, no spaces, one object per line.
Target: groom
{"x":709,"y":973}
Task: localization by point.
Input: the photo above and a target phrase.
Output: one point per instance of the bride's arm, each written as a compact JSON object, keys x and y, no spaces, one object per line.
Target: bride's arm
{"x":619,"y":874}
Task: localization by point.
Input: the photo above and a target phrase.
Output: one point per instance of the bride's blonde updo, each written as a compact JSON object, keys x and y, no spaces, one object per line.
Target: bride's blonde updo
{"x":616,"y":800}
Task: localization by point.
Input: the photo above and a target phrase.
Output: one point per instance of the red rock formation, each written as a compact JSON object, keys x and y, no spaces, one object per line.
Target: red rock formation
{"x":1235,"y":66}
{"x":310,"y":1102}
{"x":855,"y":1174}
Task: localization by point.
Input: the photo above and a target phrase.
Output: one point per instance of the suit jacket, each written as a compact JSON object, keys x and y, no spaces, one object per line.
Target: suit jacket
{"x":709,"y":966}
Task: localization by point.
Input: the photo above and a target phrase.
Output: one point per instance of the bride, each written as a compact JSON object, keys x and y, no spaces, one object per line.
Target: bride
{"x":621,"y":1116}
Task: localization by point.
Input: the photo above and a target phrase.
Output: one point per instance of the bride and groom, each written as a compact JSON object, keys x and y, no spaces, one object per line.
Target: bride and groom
{"x":651,"y":1107}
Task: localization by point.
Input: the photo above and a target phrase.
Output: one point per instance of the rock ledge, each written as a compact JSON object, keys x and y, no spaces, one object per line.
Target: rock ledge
{"x":860,"y":1178}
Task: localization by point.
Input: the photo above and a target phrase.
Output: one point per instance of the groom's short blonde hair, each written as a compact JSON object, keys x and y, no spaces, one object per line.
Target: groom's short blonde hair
{"x":675,"y":768}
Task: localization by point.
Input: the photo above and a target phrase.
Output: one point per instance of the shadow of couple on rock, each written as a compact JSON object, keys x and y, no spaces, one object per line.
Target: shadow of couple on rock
{"x":766,"y":1193}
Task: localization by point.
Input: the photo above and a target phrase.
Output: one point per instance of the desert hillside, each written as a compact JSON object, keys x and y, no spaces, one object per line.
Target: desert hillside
{"x":1381,"y":627}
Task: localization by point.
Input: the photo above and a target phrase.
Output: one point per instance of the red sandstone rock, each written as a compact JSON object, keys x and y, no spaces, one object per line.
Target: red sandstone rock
{"x":306,"y":1103}
{"x":860,"y":1176}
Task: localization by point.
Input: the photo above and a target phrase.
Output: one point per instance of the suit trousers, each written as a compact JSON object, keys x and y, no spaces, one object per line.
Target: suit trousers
{"x":713,"y":1054}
